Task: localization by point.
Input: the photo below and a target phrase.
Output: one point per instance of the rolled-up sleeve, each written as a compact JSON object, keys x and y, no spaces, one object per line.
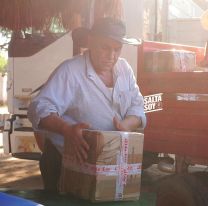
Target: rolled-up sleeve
{"x":54,"y":97}
{"x":137,"y":103}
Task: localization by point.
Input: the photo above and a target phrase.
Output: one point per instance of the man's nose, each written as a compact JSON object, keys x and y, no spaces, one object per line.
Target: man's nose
{"x":111,"y":54}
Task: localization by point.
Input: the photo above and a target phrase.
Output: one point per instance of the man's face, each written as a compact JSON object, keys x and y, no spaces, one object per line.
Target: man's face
{"x":104,"y":52}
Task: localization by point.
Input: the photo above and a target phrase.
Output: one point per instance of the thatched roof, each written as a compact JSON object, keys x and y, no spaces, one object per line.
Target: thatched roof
{"x":39,"y":14}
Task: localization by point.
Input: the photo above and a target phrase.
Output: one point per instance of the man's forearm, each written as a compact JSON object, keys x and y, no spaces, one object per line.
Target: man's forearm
{"x":54,"y":123}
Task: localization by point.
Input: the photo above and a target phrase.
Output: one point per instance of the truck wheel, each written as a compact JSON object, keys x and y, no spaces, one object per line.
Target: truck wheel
{"x":182,"y":190}
{"x":149,"y":158}
{"x":202,"y":177}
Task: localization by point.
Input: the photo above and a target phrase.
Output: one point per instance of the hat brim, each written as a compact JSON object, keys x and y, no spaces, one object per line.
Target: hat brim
{"x":126,"y":40}
{"x":123,"y":40}
{"x":131,"y":41}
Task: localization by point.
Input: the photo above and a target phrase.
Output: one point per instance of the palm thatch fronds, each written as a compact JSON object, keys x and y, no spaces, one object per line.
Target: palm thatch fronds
{"x":40,"y":14}
{"x":112,"y":8}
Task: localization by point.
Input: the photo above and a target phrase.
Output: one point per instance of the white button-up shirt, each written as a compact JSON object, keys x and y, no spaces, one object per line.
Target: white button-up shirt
{"x":76,"y":93}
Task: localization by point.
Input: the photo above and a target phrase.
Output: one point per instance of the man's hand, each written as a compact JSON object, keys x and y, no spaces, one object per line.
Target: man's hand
{"x":79,"y":146}
{"x":73,"y":133}
{"x":130,"y":123}
{"x":119,"y":125}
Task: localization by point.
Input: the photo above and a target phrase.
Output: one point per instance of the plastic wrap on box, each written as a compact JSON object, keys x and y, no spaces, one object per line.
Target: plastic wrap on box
{"x":112,"y":171}
{"x":169,"y":60}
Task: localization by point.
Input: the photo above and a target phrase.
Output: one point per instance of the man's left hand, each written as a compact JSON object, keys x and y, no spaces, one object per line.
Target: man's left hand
{"x":130,"y":123}
{"x":119,"y":124}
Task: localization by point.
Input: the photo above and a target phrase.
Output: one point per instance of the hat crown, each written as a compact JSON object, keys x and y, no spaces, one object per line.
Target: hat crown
{"x":112,"y":28}
{"x":109,"y":27}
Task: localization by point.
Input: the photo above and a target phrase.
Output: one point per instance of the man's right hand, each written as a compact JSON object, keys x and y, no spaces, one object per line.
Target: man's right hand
{"x":73,"y":133}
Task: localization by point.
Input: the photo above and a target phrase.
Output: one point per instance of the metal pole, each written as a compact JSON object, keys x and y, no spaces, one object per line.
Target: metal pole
{"x":165,"y":14}
{"x":156,"y":18}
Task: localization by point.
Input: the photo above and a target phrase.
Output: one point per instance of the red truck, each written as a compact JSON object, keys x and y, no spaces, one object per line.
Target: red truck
{"x":181,"y":127}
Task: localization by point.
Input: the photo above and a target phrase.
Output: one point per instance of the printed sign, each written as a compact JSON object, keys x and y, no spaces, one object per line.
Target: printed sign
{"x":153,"y":103}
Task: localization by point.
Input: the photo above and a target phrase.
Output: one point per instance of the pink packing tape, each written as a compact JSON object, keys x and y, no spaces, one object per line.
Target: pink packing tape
{"x":121,"y":170}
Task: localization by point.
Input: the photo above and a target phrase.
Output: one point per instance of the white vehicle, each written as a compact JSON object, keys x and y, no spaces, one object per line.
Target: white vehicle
{"x":31,"y":60}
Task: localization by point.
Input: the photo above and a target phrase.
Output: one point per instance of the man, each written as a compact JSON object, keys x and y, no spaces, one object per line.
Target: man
{"x":96,"y":90}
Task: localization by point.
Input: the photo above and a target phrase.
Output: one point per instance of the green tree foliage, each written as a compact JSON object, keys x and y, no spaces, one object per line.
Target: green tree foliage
{"x":7,"y":35}
{"x":3,"y":63}
{"x":3,"y":48}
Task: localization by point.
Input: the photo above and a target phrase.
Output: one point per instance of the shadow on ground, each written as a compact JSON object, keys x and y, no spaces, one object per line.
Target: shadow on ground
{"x":19,"y":174}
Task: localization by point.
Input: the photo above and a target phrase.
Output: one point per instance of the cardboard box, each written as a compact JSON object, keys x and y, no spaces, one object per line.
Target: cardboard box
{"x":169,"y":60}
{"x":112,"y":171}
